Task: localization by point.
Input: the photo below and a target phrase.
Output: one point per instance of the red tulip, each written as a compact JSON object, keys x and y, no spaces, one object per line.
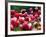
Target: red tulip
{"x":21,"y":21}
{"x":14,"y":23}
{"x":20,"y":14}
{"x":26,"y":19}
{"x":25,"y":25}
{"x":12,"y":12}
{"x":17,"y":14}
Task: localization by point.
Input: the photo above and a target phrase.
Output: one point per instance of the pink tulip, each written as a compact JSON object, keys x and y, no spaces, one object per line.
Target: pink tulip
{"x":32,"y":18}
{"x":25,"y":23}
{"x":12,"y":27}
{"x":23,"y":10}
{"x":21,"y":19}
{"x":30,"y":9}
{"x":25,"y":14}
{"x":14,"y":22}
{"x":14,"y":18}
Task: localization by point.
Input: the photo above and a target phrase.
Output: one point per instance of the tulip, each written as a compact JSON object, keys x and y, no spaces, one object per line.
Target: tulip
{"x":25,"y":25}
{"x":25,"y":14}
{"x":12,"y":13}
{"x":36,"y":9}
{"x":33,"y":18}
{"x":23,"y":10}
{"x":25,"y":22}
{"x":21,"y":19}
{"x":20,"y":14}
{"x":30,"y":26}
{"x":26,"y":19}
{"x":30,"y":9}
{"x":14,"y":23}
{"x":14,"y":19}
{"x":17,"y":15}
{"x":12,"y":27}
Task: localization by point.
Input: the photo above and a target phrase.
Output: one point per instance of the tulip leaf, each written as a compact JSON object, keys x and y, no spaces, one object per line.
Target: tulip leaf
{"x":16,"y":29}
{"x":33,"y":26}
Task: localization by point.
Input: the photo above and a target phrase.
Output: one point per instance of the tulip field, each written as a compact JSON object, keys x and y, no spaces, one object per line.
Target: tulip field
{"x":25,"y":18}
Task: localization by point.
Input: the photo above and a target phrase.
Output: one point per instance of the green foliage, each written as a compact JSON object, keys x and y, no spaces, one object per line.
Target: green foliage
{"x":18,"y":8}
{"x":16,"y":29}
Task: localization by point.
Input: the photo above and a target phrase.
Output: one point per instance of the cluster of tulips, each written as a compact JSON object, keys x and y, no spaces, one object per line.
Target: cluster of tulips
{"x":25,"y":20}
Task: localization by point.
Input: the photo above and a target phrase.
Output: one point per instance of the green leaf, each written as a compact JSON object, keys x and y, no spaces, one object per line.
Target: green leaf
{"x":16,"y":29}
{"x":33,"y":26}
